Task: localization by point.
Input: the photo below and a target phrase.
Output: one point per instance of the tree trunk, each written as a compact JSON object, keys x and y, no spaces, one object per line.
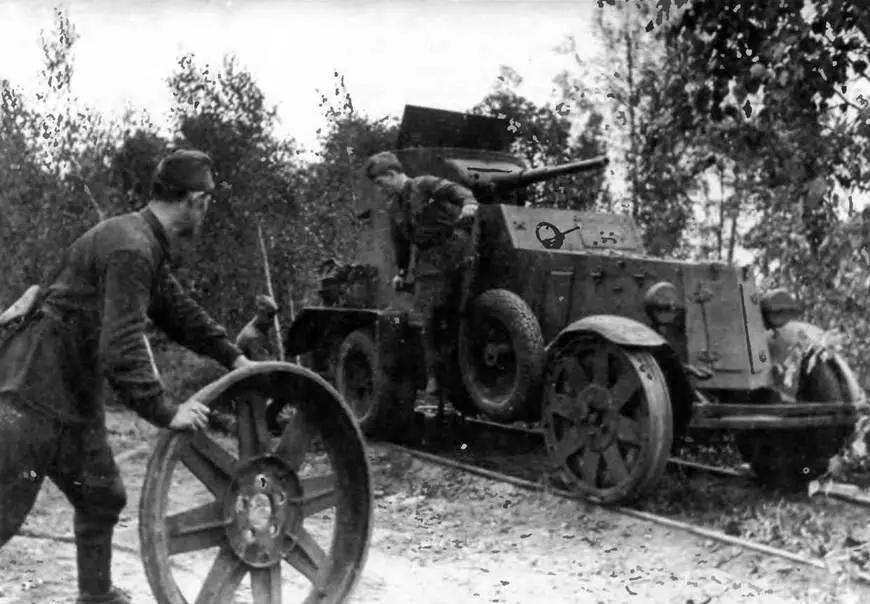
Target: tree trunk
{"x":632,"y":127}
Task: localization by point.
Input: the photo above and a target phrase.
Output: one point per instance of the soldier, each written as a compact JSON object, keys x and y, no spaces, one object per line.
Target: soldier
{"x":87,"y":326}
{"x":425,"y":214}
{"x":253,"y":340}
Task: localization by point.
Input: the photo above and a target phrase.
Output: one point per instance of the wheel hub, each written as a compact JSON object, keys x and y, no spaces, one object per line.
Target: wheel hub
{"x":261,"y":512}
{"x":490,"y":354}
{"x":595,"y":413}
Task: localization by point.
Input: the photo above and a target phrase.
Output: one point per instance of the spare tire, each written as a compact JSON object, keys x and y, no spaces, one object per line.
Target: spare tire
{"x":788,"y":459}
{"x":501,"y":356}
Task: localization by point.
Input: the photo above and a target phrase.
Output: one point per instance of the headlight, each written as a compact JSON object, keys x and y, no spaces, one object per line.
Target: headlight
{"x":778,"y":307}
{"x":662,"y":303}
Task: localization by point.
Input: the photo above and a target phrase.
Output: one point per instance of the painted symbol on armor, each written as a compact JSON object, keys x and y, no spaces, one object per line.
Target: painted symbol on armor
{"x":554,"y":241}
{"x":608,"y":238}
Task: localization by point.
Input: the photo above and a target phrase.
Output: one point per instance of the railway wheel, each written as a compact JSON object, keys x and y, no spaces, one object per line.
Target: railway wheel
{"x":607,"y":418}
{"x":220,"y":509}
{"x":501,"y":354}
{"x":788,"y":459}
{"x":382,"y":404}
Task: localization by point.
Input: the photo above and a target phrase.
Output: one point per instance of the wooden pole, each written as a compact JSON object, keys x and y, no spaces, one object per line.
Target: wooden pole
{"x":270,"y":289}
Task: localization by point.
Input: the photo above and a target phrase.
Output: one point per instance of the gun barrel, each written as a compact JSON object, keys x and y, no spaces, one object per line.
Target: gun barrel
{"x":534,"y":175}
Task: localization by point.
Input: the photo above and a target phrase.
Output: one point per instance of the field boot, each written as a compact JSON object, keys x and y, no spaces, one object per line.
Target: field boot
{"x":94,"y":561}
{"x":115,"y":595}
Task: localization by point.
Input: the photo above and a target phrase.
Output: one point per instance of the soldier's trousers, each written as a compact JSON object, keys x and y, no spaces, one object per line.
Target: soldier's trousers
{"x":435,"y":297}
{"x":80,"y":462}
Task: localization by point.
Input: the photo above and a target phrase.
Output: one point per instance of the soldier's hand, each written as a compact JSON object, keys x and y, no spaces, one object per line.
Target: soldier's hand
{"x":398,"y":281}
{"x":242,"y":361}
{"x":191,"y":415}
{"x":468,"y":212}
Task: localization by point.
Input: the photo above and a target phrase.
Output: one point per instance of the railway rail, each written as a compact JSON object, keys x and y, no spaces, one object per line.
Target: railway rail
{"x":525,"y":439}
{"x":477,"y":432}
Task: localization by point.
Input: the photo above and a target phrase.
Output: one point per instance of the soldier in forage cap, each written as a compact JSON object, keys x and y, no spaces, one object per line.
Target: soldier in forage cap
{"x":426,"y":213}
{"x":87,"y":326}
{"x":253,"y":340}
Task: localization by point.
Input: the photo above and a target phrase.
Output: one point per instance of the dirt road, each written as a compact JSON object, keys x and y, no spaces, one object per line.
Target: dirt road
{"x":445,"y":537}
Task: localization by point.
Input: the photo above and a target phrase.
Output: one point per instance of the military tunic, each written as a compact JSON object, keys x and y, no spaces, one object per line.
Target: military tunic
{"x":89,"y":329}
{"x":424,"y":215}
{"x":254,"y":342}
{"x":92,"y":321}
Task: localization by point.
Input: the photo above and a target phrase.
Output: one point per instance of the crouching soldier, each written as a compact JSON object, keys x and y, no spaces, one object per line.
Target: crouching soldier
{"x":426,"y":216}
{"x":253,"y":340}
{"x":87,"y":326}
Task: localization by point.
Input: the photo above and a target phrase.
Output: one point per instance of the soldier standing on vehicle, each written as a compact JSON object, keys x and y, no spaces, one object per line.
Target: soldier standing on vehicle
{"x":253,"y":340}
{"x":426,"y":213}
{"x":86,"y":326}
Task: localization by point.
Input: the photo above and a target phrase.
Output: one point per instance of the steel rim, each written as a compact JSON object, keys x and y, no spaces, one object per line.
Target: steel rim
{"x":607,"y":418}
{"x":261,"y":499}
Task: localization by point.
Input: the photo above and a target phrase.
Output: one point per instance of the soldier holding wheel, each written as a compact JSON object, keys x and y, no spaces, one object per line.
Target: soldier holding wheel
{"x":88,"y":326}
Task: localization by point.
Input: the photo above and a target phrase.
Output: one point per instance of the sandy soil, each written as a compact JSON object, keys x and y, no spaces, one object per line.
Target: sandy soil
{"x":442,"y":536}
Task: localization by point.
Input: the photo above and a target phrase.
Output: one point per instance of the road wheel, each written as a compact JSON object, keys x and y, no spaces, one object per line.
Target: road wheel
{"x":382,"y":404}
{"x":789,"y":459}
{"x":607,"y":418}
{"x":262,"y":503}
{"x":501,"y":356}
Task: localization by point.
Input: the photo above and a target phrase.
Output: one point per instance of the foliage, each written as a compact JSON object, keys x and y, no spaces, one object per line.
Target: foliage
{"x":545,"y":135}
{"x":53,"y":150}
{"x":764,"y":89}
{"x":225,"y":114}
{"x":633,"y":85}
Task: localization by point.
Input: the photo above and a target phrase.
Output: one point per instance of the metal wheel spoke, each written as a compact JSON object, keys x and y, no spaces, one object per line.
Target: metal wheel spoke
{"x":196,"y":529}
{"x":600,"y":367}
{"x":252,"y":429}
{"x":589,"y":469}
{"x":223,"y":579}
{"x":319,"y":494}
{"x":306,"y":556}
{"x":572,"y":442}
{"x":624,"y":389}
{"x":295,"y":441}
{"x":578,"y":378}
{"x":209,"y":462}
{"x":266,"y":585}
{"x":629,"y":431}
{"x":615,"y":464}
{"x":564,"y":405}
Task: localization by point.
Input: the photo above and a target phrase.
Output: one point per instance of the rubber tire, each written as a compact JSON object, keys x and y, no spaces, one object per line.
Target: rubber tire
{"x":391,"y":408}
{"x":788,"y":459}
{"x":512,"y":312}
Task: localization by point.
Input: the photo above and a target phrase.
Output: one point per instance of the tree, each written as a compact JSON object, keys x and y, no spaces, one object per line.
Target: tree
{"x":54,"y":185}
{"x":545,"y":136}
{"x":226,"y":115}
{"x":134,"y":162}
{"x":636,"y":87}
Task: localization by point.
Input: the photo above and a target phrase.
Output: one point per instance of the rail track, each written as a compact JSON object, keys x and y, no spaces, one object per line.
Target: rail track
{"x":515,"y":456}
{"x":478,"y":444}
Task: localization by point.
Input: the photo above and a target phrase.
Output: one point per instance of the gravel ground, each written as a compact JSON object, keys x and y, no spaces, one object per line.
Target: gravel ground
{"x":445,"y":536}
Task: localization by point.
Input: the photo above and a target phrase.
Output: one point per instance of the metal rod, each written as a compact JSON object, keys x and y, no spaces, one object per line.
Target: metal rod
{"x":676,"y":524}
{"x":767,"y":422}
{"x":809,"y":409}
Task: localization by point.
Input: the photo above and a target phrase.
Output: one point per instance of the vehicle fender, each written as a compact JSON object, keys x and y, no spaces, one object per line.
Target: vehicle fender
{"x":793,"y":342}
{"x":619,"y":330}
{"x":312,"y":324}
{"x":634,"y":334}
